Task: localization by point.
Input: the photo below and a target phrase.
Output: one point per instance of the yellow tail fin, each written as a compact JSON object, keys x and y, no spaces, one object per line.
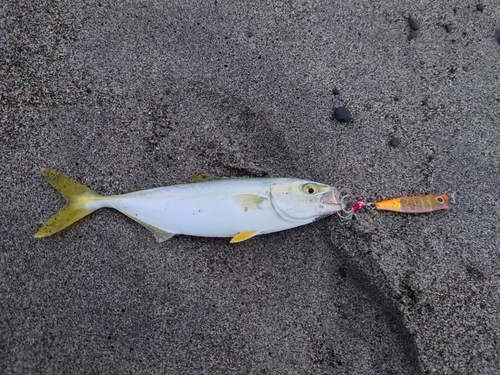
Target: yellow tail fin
{"x":78,"y":197}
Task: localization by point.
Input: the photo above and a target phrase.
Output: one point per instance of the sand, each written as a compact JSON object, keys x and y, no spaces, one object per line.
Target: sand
{"x":141,"y":94}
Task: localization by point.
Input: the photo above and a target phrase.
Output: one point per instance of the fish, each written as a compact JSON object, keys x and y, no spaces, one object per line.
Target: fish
{"x":415,"y":204}
{"x":239,"y":208}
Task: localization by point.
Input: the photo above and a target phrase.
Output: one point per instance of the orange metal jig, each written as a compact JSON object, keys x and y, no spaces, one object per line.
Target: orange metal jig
{"x":415,"y":204}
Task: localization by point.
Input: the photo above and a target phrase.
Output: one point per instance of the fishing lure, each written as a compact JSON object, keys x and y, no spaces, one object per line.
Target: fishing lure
{"x":416,"y":204}
{"x":238,"y":208}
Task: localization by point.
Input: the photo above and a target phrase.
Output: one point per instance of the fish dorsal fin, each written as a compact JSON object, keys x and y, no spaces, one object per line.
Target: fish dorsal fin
{"x":159,"y":234}
{"x":242,"y":236}
{"x":200,"y":177}
{"x":249,"y":201}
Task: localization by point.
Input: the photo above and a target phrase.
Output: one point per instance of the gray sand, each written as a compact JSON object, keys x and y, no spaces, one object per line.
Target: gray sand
{"x":141,"y":95}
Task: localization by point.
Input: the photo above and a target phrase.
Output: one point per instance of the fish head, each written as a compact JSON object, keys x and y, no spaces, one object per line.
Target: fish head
{"x":304,"y":201}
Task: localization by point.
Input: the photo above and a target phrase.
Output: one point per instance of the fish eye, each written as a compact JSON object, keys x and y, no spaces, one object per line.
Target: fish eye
{"x":440,"y":199}
{"x":311,"y":189}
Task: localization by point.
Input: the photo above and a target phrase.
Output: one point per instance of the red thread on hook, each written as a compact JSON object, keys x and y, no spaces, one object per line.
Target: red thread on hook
{"x":357,"y":206}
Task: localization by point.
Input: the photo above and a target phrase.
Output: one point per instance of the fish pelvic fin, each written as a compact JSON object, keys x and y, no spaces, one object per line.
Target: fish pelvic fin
{"x":242,"y":236}
{"x":79,"y":204}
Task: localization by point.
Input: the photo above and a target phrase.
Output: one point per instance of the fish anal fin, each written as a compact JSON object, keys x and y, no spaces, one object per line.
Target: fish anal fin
{"x":249,"y":201}
{"x":159,"y":234}
{"x":242,"y":236}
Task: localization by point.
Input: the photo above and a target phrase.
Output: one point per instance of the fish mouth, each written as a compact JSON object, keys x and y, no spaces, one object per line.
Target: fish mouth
{"x":332,"y":198}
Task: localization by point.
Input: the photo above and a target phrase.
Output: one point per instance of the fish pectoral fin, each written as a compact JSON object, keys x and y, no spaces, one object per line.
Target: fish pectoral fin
{"x":249,"y":201}
{"x":159,"y":234}
{"x":242,"y":236}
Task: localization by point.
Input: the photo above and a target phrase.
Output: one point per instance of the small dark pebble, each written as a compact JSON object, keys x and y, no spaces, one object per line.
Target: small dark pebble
{"x":465,"y":68}
{"x":423,"y":102}
{"x":480,"y":7}
{"x":497,"y":35}
{"x":412,"y":35}
{"x":336,"y":92}
{"x":394,"y":142}
{"x":448,"y":28}
{"x":413,"y":23}
{"x":342,"y":272}
{"x":89,"y":91}
{"x":342,"y":114}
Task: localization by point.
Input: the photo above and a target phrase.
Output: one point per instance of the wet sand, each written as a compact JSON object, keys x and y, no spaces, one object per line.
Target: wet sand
{"x":143,"y":94}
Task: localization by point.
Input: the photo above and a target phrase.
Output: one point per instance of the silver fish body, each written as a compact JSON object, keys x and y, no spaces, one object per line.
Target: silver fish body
{"x":237,"y":208}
